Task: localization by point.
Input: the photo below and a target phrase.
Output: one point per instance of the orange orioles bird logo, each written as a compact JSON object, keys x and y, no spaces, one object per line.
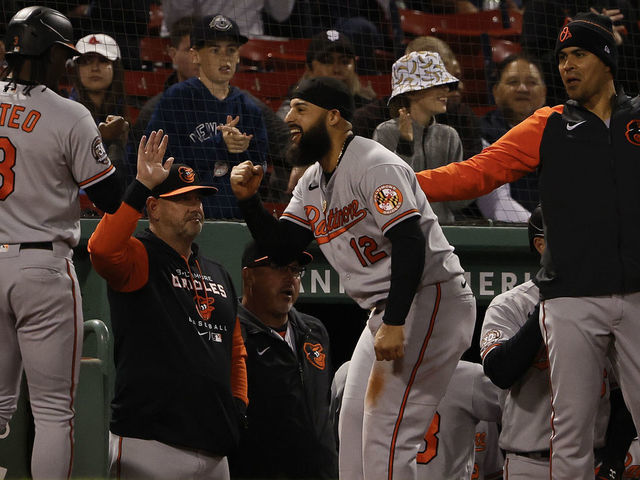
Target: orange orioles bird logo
{"x":315,"y":355}
{"x":633,"y":132}
{"x":564,"y":34}
{"x":186,"y":174}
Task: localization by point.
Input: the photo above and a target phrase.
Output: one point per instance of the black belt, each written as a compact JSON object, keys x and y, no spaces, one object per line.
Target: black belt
{"x":538,"y":455}
{"x":37,"y":245}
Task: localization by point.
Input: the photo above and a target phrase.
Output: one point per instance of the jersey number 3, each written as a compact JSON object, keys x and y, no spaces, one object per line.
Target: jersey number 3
{"x":7,"y":162}
{"x":430,"y":450}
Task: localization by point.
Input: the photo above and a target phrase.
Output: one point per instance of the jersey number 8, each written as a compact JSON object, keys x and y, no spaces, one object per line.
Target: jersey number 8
{"x":7,"y":162}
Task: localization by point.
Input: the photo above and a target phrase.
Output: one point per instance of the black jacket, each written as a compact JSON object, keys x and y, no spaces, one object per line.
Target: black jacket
{"x":590,"y":191}
{"x":290,"y":433}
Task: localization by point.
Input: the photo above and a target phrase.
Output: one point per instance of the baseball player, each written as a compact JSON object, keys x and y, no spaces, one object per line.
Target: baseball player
{"x":590,"y":280}
{"x":489,"y":460}
{"x":514,"y":357}
{"x":50,"y":147}
{"x":364,"y":208}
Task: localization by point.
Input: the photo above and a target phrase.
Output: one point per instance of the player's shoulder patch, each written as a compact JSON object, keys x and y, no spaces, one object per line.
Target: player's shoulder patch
{"x":387,"y":199}
{"x":98,"y":151}
{"x":489,"y":338}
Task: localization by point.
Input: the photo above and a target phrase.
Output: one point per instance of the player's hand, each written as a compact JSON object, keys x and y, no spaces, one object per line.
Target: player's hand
{"x":115,"y":128}
{"x":294,"y":176}
{"x":405,"y":124}
{"x":151,"y":171}
{"x":389,"y":342}
{"x":245,"y":179}
{"x":236,"y":141}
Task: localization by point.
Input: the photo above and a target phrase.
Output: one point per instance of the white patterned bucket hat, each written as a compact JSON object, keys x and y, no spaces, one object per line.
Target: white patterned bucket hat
{"x":419,"y":71}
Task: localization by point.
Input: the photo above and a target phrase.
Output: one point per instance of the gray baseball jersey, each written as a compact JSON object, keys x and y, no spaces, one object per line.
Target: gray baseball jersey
{"x":526,"y":412}
{"x":448,"y":448}
{"x":632,"y":461}
{"x":370,"y":191}
{"x":49,"y":146}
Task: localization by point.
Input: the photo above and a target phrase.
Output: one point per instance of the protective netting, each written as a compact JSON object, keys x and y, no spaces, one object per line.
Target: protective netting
{"x":355,"y":41}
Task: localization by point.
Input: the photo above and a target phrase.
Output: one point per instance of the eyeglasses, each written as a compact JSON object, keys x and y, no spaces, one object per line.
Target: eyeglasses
{"x":296,"y":270}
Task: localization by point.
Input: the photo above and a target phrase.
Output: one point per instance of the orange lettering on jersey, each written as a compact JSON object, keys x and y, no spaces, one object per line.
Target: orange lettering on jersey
{"x":541,"y":362}
{"x":3,"y":112}
{"x":30,"y":122}
{"x":336,"y":222}
{"x":15,"y":114}
{"x":481,"y":441}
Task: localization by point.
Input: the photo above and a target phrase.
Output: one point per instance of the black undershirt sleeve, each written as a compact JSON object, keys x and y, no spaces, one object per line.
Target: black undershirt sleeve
{"x":107,"y":194}
{"x":407,"y":264}
{"x":507,"y":362}
{"x":282,"y":238}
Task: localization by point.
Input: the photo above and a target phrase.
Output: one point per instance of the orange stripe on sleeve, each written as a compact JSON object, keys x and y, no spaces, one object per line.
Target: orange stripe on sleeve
{"x":399,"y":217}
{"x":239,"y":385}
{"x":96,"y":177}
{"x":118,"y":257}
{"x":512,"y":156}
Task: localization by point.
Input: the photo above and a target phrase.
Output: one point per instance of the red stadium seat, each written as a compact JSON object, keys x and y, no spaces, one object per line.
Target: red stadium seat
{"x":153,"y":50}
{"x":274,"y":54}
{"x":270,"y":87}
{"x":155,"y":19}
{"x":381,"y":84}
{"x":138,"y":83}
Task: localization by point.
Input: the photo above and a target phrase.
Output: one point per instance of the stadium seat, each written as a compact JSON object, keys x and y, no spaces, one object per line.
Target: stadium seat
{"x":155,"y":19}
{"x":267,"y":54}
{"x":153,"y":52}
{"x":269,"y":87}
{"x":416,"y":23}
{"x":381,"y":84}
{"x":141,"y":83}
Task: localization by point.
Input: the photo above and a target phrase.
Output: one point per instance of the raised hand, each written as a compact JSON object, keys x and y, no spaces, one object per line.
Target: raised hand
{"x":114,"y":128}
{"x":405,"y":124}
{"x":151,"y":171}
{"x":245,"y":179}
{"x":236,"y":141}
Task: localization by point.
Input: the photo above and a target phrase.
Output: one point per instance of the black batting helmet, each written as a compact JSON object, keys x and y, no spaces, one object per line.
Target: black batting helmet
{"x":32,"y":30}
{"x":535,"y":226}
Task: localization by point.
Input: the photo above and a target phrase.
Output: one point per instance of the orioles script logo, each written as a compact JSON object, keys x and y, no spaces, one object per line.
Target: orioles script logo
{"x":633,"y":132}
{"x":336,"y":222}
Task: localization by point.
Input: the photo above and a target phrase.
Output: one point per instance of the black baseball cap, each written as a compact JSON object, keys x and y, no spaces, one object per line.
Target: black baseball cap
{"x":535,"y":226}
{"x":216,"y":27}
{"x":327,"y":42}
{"x":256,"y":255}
{"x":182,"y":179}
{"x":328,"y":93}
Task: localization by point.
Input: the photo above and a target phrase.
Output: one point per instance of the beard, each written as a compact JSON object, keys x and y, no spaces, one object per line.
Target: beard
{"x":314,"y":144}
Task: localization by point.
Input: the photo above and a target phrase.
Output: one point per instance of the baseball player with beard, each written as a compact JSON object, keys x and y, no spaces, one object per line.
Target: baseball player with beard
{"x":49,"y":148}
{"x":515,"y":359}
{"x":363,"y":206}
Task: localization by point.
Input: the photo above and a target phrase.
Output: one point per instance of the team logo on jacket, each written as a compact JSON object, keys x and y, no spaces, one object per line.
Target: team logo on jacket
{"x":491,"y":337}
{"x":315,"y":355}
{"x":633,"y":132}
{"x":98,"y":151}
{"x":388,"y":199}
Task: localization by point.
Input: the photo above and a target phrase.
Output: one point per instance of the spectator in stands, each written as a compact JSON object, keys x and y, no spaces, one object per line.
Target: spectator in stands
{"x":421,"y":84}
{"x":458,"y":115}
{"x":370,"y":24}
{"x":519,"y":92}
{"x":183,"y":68}
{"x":98,"y":83}
{"x":331,"y":54}
{"x":247,"y":13}
{"x":290,"y":430}
{"x":212,"y":125}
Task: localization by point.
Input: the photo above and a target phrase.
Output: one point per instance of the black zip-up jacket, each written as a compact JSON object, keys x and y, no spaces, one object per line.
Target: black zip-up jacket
{"x":290,"y":433}
{"x":589,"y":190}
